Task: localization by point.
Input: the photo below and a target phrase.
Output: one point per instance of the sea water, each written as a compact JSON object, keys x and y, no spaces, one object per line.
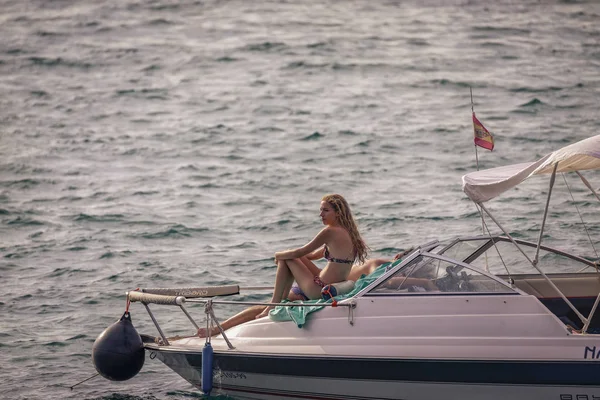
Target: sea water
{"x":159,"y":143}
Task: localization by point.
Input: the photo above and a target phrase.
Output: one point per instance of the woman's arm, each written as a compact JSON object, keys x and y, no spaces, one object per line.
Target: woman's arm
{"x":317,"y":254}
{"x":311,"y":247}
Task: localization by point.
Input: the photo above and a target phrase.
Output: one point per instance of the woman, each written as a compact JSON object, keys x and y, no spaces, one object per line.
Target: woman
{"x":339,"y":242}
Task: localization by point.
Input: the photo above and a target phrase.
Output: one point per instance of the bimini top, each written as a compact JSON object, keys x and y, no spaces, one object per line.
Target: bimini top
{"x":484,"y":185}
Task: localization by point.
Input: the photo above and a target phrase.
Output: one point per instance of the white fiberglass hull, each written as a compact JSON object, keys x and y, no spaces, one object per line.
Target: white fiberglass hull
{"x":353,"y":378}
{"x":411,"y":349}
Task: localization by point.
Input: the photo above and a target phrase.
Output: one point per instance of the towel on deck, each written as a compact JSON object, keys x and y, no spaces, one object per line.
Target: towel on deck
{"x":299,"y":314}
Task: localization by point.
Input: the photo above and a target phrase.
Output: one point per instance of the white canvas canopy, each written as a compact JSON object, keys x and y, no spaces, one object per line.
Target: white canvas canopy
{"x":484,"y":185}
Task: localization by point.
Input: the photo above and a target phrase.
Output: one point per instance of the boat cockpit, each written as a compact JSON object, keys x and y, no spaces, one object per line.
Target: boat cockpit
{"x":492,"y":265}
{"x":429,"y":273}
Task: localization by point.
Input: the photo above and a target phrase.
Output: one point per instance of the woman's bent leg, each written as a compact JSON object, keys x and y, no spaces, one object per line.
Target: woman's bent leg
{"x":305,"y":278}
{"x":283,"y":280}
{"x":287,"y":271}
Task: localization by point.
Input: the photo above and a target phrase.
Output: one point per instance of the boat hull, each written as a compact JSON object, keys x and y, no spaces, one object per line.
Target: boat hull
{"x":269,"y":376}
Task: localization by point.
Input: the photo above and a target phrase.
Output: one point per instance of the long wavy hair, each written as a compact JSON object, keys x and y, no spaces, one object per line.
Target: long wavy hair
{"x":345,"y":219}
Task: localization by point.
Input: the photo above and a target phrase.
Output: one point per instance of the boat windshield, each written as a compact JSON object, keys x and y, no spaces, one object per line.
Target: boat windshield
{"x":503,"y":257}
{"x":427,"y":274}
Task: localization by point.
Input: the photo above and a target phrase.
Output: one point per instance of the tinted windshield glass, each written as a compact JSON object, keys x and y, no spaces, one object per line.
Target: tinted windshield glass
{"x":428,"y":275}
{"x":463,"y":248}
{"x":504,"y":255}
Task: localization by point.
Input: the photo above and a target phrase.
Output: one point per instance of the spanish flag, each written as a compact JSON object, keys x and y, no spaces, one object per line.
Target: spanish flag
{"x":483,"y":138}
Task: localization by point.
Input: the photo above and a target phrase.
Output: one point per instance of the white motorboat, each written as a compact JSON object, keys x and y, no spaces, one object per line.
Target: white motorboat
{"x":462,"y":319}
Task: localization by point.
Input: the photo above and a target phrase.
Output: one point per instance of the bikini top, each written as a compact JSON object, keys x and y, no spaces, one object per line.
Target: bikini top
{"x":336,"y":260}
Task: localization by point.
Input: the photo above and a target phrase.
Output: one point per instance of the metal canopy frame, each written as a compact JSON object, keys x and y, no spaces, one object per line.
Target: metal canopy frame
{"x":534,"y":262}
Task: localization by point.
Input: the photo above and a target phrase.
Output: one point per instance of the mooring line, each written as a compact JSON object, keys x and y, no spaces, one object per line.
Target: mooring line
{"x":85,"y":380}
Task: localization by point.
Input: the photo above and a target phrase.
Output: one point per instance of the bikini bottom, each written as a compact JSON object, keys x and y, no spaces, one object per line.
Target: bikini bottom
{"x":296,"y":289}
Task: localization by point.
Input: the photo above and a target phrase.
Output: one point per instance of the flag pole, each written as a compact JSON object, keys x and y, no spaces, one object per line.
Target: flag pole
{"x":487,"y":267}
{"x":473,"y":113}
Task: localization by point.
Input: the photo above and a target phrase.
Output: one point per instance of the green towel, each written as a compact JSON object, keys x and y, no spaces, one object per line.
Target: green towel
{"x":299,"y":314}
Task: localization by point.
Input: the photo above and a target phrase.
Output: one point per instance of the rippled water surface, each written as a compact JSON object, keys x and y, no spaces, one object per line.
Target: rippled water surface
{"x":171,"y":143}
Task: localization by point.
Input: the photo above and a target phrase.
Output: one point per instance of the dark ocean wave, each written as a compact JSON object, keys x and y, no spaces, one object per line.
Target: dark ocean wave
{"x":59,"y":62}
{"x":266,"y":47}
{"x":537,"y":90}
{"x":173,"y":232}
{"x":23,"y":183}
{"x":111,"y":254}
{"x":24,"y":221}
{"x":99,"y":218}
{"x":532,"y":103}
{"x":313,"y":136}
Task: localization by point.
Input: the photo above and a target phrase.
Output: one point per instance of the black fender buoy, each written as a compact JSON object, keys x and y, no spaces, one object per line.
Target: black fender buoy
{"x":118,"y":353}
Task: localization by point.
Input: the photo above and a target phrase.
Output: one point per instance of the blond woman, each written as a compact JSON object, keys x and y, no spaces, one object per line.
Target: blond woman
{"x":339,"y":243}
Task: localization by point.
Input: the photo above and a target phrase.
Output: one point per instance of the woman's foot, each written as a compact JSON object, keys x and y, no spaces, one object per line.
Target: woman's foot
{"x":265,"y":312}
{"x":202,"y":332}
{"x":160,"y":341}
